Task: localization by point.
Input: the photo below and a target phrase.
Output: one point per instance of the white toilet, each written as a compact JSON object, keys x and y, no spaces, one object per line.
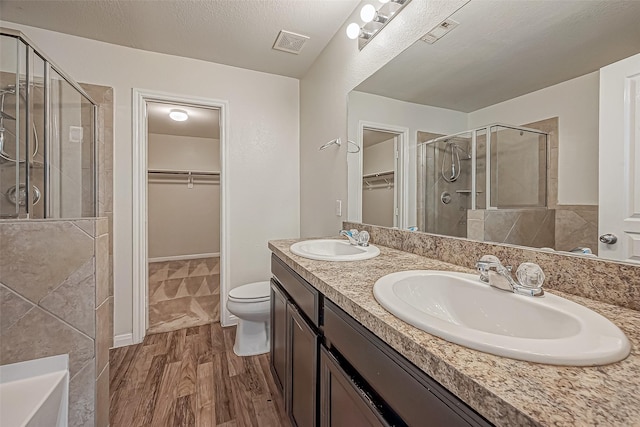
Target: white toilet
{"x":251,"y":304}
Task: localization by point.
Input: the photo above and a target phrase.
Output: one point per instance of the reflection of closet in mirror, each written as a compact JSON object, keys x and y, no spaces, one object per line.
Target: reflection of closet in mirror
{"x":183,"y":218}
{"x":379,"y":204}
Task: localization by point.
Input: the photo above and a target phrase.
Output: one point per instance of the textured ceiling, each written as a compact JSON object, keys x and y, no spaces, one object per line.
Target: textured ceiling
{"x":233,"y":32}
{"x":202,"y":122}
{"x":507,"y":48}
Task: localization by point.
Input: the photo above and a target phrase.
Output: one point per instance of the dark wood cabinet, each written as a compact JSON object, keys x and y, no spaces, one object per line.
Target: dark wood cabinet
{"x":342,"y":402}
{"x":334,"y":372}
{"x":278,"y":332}
{"x":294,"y":343}
{"x":303,"y":369}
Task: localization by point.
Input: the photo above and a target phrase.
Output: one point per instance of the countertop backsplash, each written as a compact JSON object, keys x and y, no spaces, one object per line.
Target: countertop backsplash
{"x":594,"y":278}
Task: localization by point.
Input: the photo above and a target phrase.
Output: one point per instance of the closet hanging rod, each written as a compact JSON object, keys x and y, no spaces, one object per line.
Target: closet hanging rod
{"x":183,"y":172}
{"x":378,"y":174}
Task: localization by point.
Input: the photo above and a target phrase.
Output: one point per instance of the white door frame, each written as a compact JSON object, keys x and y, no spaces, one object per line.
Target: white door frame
{"x":401,"y":180}
{"x":619,"y":159}
{"x":140,"y":97}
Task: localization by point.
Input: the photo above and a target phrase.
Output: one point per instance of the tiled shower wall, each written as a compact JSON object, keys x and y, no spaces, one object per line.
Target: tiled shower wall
{"x":183,"y":293}
{"x":525,"y":227}
{"x":54,"y":299}
{"x":577,"y":226}
{"x":48,"y":269}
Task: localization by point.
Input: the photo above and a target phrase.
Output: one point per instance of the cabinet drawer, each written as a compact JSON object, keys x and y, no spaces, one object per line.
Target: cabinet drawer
{"x":342,"y":402}
{"x":304,"y":295}
{"x":414,"y":396}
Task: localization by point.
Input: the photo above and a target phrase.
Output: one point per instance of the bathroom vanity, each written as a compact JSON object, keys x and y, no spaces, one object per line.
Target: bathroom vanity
{"x":340,"y":359}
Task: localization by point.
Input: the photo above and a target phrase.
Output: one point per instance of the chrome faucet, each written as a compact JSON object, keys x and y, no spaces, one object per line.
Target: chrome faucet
{"x":357,"y":238}
{"x":530,"y":276}
{"x":350,"y":235}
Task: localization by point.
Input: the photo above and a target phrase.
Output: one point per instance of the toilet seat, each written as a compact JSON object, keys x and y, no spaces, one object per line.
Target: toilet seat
{"x":251,"y":292}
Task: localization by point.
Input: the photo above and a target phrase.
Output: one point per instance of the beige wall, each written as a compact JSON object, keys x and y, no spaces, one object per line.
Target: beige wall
{"x":183,"y":152}
{"x":182,"y":220}
{"x":378,"y":158}
{"x":263,"y":141}
{"x":323,"y":106}
{"x":575,"y":103}
{"x":377,"y":203}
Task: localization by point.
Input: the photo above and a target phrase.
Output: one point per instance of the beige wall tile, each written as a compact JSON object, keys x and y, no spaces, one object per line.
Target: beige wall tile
{"x":103,"y":339}
{"x":102,"y":269}
{"x":102,"y":226}
{"x":12,"y":308}
{"x":102,"y":399}
{"x":86,"y":225}
{"x":82,"y":396}
{"x":39,"y":334}
{"x":24,"y":246}
{"x":73,"y":301}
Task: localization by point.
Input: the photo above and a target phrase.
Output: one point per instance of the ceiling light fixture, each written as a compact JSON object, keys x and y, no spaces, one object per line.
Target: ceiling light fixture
{"x":374,"y":20}
{"x":178,"y":115}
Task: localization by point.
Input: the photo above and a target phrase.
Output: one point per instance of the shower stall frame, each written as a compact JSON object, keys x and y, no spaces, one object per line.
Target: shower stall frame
{"x":474,"y":152}
{"x":28,"y":60}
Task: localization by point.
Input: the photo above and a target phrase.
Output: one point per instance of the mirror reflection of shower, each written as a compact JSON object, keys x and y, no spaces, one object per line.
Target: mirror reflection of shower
{"x":474,"y":182}
{"x":451,"y":166}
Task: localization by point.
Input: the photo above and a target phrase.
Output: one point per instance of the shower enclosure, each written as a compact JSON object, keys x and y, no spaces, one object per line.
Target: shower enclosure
{"x":47,"y":137}
{"x":468,"y":175}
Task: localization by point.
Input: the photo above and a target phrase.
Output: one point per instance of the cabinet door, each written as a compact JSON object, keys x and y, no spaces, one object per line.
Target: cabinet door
{"x":303,"y":356}
{"x":278,"y":336}
{"x":342,"y":403}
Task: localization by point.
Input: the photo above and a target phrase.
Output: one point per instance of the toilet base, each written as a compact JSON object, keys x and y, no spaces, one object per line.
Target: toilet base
{"x":252,"y":338}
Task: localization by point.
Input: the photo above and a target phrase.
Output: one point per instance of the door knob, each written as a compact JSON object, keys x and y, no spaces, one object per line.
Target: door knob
{"x":609,"y":239}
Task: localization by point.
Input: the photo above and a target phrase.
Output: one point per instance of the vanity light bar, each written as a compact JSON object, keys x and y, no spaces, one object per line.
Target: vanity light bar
{"x":374,"y":20}
{"x":439,"y":31}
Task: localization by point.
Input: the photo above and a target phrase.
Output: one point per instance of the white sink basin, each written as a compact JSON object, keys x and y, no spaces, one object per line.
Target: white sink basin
{"x":333,"y":250}
{"x":459,"y":308}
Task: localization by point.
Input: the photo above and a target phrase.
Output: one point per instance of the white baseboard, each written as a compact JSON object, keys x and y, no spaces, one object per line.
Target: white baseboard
{"x":229,"y":321}
{"x":122,"y":340}
{"x":184,"y":257}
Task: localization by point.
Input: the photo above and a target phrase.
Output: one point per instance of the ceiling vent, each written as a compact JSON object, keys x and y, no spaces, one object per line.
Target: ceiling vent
{"x":290,"y":42}
{"x":439,"y":31}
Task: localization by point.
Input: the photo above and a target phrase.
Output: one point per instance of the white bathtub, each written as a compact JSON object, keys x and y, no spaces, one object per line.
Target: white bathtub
{"x":35,"y":393}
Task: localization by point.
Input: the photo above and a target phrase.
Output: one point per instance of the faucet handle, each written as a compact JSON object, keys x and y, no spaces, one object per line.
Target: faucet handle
{"x":363,"y":238}
{"x":530,"y":275}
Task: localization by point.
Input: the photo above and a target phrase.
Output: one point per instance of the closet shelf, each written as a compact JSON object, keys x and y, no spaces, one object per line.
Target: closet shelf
{"x":385,"y":174}
{"x":183,"y":172}
{"x":379,"y":180}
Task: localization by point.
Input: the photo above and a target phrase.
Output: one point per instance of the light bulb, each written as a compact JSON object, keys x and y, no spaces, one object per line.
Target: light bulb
{"x":353,"y":31}
{"x":367,"y":13}
{"x":178,"y":115}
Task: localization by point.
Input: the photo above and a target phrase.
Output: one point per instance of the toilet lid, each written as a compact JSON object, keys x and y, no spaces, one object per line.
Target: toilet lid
{"x":251,"y":291}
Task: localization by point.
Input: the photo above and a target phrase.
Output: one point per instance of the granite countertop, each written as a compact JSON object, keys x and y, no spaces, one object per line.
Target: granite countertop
{"x":505,"y":391}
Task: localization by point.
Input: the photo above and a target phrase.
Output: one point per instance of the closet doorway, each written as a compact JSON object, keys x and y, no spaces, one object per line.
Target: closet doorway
{"x":180,"y":211}
{"x":382,"y":175}
{"x":183,"y":216}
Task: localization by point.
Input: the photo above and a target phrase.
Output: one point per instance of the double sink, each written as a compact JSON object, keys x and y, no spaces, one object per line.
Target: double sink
{"x":459,"y":308}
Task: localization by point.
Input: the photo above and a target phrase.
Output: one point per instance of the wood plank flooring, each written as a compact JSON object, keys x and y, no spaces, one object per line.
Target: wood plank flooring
{"x":191,"y":377}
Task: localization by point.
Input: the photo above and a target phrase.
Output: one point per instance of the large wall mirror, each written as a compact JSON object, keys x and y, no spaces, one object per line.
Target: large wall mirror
{"x":512,"y":127}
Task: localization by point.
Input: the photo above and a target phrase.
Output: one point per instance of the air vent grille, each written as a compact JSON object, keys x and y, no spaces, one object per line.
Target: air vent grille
{"x":439,"y":31}
{"x":290,"y":42}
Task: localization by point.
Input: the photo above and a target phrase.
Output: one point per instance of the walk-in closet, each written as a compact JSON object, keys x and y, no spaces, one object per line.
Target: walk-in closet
{"x":183,"y":205}
{"x":378,"y":178}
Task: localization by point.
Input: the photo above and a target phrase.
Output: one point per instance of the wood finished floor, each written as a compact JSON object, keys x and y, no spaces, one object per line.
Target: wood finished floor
{"x":191,"y":377}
